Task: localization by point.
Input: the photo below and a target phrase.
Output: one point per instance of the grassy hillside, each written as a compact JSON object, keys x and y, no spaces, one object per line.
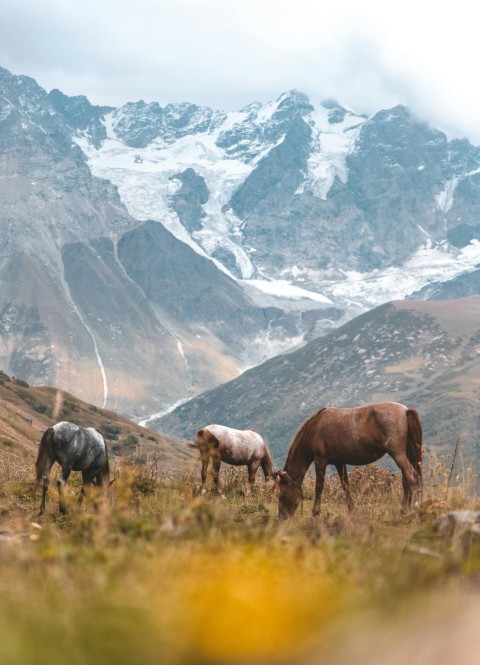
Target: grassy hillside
{"x":159,"y":574}
{"x":27,"y":411}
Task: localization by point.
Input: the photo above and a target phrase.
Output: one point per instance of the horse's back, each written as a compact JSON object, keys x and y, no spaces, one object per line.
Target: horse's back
{"x":360,"y":435}
{"x":236,"y":446}
{"x":385,"y":414}
{"x":65,"y":428}
{"x":78,"y":446}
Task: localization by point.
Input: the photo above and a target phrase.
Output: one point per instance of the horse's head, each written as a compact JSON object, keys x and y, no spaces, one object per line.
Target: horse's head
{"x":290,"y":494}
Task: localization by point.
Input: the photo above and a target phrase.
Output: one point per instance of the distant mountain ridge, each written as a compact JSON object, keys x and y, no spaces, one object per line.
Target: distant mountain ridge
{"x":423,"y":354}
{"x":148,"y":253}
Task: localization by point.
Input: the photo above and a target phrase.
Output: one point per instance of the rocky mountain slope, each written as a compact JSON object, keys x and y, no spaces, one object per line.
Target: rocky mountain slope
{"x":118,"y":311}
{"x":423,"y":354}
{"x":315,"y":196}
{"x":148,"y":253}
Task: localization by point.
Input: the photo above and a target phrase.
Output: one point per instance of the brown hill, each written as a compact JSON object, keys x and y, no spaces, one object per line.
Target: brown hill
{"x":425,"y":354}
{"x":27,"y":411}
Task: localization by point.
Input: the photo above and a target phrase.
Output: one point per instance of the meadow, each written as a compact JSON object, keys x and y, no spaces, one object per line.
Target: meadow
{"x":158,"y":573}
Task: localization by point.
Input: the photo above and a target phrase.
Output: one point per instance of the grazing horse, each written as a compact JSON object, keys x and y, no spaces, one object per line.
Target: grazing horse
{"x":224,"y":444}
{"x":75,"y":449}
{"x":351,"y":436}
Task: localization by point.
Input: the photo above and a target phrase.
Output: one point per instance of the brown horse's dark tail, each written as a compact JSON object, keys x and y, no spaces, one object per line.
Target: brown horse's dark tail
{"x":45,"y":453}
{"x":414,"y":441}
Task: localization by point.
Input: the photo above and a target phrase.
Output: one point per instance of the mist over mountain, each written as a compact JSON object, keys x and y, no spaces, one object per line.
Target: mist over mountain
{"x":150,"y":253}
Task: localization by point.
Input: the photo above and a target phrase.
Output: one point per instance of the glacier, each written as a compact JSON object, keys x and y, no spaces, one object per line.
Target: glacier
{"x":225,"y":148}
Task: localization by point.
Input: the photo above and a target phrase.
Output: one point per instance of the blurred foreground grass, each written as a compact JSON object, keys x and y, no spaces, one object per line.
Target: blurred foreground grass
{"x":159,"y":574}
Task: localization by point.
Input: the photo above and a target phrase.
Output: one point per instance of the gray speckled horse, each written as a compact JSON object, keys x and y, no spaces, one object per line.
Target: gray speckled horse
{"x":75,"y":449}
{"x":238,"y":447}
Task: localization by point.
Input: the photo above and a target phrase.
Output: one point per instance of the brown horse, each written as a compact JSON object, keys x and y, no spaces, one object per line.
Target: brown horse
{"x":351,"y":436}
{"x":224,"y":444}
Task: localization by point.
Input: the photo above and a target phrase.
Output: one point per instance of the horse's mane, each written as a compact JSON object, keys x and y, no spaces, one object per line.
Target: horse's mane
{"x":302,"y":434}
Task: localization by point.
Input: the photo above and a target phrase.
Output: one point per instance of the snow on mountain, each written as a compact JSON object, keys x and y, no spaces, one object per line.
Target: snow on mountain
{"x":224,"y":153}
{"x":149,"y":152}
{"x":335,"y":131}
{"x":145,"y":180}
{"x":430,"y":264}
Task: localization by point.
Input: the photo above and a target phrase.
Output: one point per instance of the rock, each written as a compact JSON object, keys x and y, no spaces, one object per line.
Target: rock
{"x":460,"y":529}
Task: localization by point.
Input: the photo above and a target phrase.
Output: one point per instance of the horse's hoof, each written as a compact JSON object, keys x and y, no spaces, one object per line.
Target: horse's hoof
{"x":63,"y":510}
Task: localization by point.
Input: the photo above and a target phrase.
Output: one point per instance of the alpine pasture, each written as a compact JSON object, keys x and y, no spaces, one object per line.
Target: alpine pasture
{"x":156,"y":572}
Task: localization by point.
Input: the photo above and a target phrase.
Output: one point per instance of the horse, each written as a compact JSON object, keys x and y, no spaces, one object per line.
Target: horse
{"x":75,"y":449}
{"x":238,"y":447}
{"x":356,"y":436}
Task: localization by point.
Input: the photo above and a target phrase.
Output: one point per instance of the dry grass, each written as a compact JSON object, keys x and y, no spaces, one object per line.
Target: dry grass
{"x":156,"y":573}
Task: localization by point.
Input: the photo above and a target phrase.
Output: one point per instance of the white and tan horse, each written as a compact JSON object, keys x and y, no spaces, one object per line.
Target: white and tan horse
{"x":232,"y":446}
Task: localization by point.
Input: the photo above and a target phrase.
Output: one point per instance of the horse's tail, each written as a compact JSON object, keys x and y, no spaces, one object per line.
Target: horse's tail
{"x":106,"y":466}
{"x":45,"y":452}
{"x":414,"y":440}
{"x":267,"y":463}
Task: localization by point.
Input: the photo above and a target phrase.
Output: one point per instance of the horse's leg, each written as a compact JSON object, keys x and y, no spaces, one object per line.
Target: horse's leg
{"x":85,"y":483}
{"x":205,"y":460}
{"x":216,"y":462}
{"x":45,"y":484}
{"x":252,"y":470}
{"x":342,"y":472}
{"x":61,"y":482}
{"x":102,"y":482}
{"x":410,"y":479}
{"x":320,"y":466}
{"x":88,"y":476}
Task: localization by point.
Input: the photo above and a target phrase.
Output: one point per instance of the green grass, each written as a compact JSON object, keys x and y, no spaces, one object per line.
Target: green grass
{"x":156,"y":573}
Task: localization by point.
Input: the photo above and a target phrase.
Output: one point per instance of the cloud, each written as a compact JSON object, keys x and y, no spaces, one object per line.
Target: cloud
{"x":225,"y":54}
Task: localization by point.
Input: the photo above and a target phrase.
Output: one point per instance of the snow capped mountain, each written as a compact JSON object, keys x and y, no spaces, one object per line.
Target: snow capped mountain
{"x":148,"y":253}
{"x":350,"y":209}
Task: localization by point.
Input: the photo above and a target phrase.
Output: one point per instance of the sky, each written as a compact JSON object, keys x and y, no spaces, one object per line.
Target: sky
{"x":225,"y":54}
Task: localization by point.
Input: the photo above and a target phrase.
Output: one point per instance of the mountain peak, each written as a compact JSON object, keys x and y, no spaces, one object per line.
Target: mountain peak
{"x":295,"y":97}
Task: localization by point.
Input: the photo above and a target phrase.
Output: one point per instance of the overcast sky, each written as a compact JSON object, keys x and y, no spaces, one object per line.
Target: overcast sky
{"x":226,"y":53}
